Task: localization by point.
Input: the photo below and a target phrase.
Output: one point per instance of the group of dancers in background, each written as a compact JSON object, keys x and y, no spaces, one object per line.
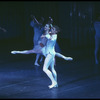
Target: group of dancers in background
{"x":45,"y":44}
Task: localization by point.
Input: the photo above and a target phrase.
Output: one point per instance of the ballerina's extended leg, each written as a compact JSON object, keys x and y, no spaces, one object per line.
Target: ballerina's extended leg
{"x":64,"y":57}
{"x":23,"y":52}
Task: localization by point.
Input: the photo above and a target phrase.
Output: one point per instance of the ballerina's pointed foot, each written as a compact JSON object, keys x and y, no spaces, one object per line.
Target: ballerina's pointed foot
{"x":14,"y":52}
{"x":53,"y":85}
{"x":36,"y":64}
{"x":68,"y":58}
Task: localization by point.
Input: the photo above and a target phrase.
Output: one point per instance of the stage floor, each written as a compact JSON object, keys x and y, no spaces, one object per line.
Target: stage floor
{"x":19,"y":78}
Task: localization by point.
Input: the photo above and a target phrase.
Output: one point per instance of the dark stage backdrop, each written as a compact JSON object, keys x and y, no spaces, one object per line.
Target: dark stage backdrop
{"x":75,"y":20}
{"x":12,"y":19}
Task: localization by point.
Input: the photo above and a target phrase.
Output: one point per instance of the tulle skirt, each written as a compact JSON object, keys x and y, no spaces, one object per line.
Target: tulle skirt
{"x":39,"y":49}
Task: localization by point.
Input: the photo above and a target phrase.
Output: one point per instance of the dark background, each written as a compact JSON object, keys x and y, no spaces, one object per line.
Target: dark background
{"x":19,"y":78}
{"x":75,"y":19}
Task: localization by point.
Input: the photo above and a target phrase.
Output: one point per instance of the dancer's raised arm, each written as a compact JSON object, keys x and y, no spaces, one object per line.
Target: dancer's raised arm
{"x":34,"y":19}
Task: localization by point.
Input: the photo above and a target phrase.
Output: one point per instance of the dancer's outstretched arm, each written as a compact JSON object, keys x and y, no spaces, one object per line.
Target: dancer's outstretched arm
{"x":64,"y":57}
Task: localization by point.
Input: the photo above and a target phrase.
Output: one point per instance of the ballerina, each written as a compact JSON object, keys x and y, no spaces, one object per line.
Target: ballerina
{"x":39,"y":49}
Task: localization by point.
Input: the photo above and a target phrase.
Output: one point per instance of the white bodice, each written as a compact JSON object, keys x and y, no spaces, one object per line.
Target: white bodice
{"x":50,"y":46}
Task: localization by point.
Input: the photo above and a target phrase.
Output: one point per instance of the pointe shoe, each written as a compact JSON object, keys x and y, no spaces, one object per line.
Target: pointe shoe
{"x":53,"y":85}
{"x":68,"y":58}
{"x":36,"y":64}
{"x":13,"y":52}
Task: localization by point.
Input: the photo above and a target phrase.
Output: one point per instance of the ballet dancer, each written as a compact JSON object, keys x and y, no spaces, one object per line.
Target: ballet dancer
{"x":49,"y":54}
{"x":38,"y":31}
{"x":97,"y":39}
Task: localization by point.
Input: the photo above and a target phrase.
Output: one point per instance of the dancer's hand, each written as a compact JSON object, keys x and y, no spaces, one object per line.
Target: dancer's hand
{"x":51,"y":20}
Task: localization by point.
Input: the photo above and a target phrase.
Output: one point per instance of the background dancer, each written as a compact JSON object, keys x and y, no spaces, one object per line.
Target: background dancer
{"x":38,"y":31}
{"x":97,"y":39}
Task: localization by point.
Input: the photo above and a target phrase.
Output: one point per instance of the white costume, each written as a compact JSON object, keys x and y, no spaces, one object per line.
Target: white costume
{"x":49,"y":53}
{"x":50,"y":46}
{"x":38,"y":48}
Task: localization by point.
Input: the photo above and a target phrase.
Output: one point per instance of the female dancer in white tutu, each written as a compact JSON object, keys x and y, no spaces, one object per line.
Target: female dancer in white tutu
{"x":39,"y":49}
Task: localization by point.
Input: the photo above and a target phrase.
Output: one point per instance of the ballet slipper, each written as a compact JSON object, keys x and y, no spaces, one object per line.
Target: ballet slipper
{"x":68,"y":58}
{"x":53,"y":85}
{"x":36,"y":64}
{"x":13,"y":52}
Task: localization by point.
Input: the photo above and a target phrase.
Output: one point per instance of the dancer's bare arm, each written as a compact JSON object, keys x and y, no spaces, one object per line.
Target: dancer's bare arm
{"x":34,"y":19}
